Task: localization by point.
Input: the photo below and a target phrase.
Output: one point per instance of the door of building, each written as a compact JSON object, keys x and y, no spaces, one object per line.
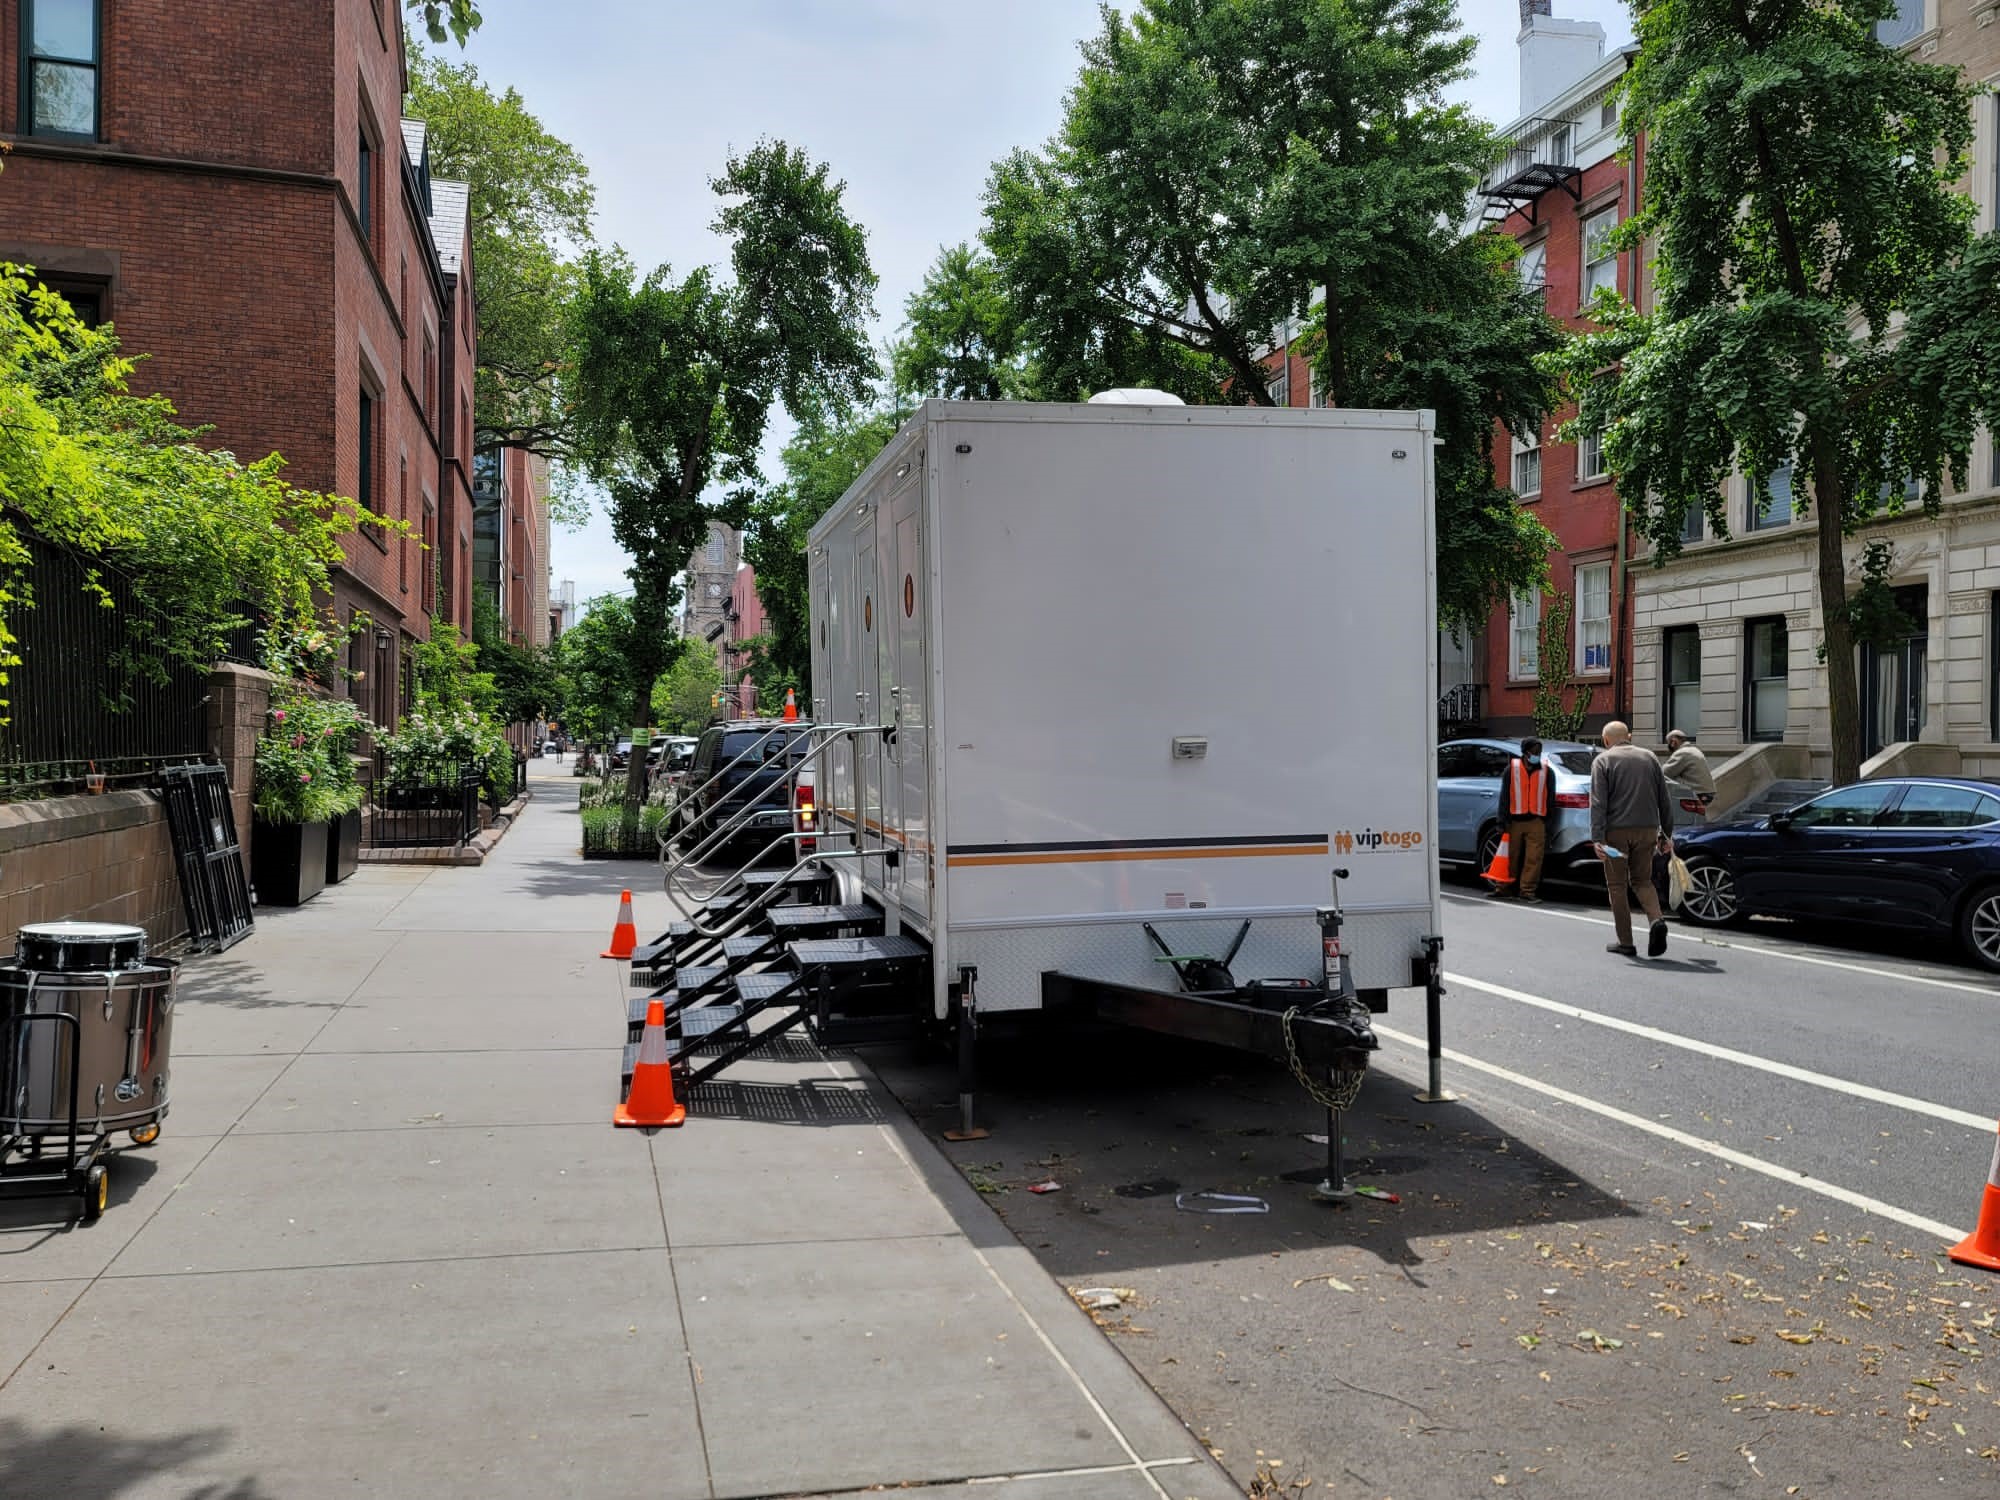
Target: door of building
{"x":1892,"y":678}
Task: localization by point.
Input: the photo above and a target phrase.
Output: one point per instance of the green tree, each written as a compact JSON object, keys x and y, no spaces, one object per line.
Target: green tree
{"x":684,"y":697}
{"x":961,"y":338}
{"x":596,"y":656}
{"x":211,"y":544}
{"x":1231,"y":173}
{"x":454,"y":18}
{"x":531,"y":202}
{"x":820,"y":462}
{"x":676,"y":379}
{"x":1799,"y":188}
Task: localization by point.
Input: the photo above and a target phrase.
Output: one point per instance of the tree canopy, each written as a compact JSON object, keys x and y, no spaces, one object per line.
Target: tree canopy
{"x":457,"y":19}
{"x":677,"y":377}
{"x":531,"y":201}
{"x":684,"y":697}
{"x":1819,"y":303}
{"x":961,"y":336}
{"x":596,"y":658}
{"x":1232,"y":176}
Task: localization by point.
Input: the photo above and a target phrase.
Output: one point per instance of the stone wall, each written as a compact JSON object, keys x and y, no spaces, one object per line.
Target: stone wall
{"x":238,"y":700}
{"x":105,"y":859}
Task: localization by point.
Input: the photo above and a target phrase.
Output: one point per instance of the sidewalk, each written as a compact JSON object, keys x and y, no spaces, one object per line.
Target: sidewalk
{"x":389,"y":1244}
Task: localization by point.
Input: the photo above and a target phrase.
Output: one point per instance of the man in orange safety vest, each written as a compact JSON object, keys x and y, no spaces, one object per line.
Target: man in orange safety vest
{"x":1527,"y":795}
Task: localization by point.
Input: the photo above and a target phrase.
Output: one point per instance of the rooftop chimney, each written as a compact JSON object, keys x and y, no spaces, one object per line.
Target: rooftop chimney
{"x":1555,"y":55}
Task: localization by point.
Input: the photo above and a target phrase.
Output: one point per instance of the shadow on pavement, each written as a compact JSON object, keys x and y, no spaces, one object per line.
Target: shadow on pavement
{"x":28,"y":1223}
{"x":809,"y":1101}
{"x":1129,"y":1123}
{"x":96,"y":1463}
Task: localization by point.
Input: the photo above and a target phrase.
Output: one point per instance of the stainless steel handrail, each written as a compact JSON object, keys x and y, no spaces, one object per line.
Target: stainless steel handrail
{"x":833,"y":734}
{"x":751,"y":807}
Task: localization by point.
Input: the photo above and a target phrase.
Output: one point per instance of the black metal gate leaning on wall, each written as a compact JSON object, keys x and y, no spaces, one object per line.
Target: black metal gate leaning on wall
{"x":214,"y":887}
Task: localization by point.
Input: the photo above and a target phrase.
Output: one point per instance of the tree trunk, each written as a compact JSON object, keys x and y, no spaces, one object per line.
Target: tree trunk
{"x":1334,"y":379}
{"x":1843,"y":699}
{"x":635,"y":765}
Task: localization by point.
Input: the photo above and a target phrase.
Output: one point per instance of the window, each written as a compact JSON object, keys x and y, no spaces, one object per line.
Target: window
{"x":1534,"y":266}
{"x":358,"y":641}
{"x":364,"y":205}
{"x":364,"y":484}
{"x":429,"y":386}
{"x":1528,"y":466}
{"x":403,"y":515}
{"x":403,"y":293}
{"x":1930,"y":805}
{"x":1279,"y":386}
{"x":1680,"y":653}
{"x":1524,"y":628}
{"x":1855,"y":806}
{"x":1607,"y":113}
{"x":1904,"y":25}
{"x":1692,"y":529}
{"x":427,"y":563}
{"x":1593,"y":617}
{"x":715,"y":545}
{"x":464,"y":424}
{"x":59,"y":75}
{"x":1600,"y":263}
{"x":1590,"y":457}
{"x":1559,"y":145}
{"x":1766,"y":690}
{"x":1774,"y":506}
{"x":85,"y":298}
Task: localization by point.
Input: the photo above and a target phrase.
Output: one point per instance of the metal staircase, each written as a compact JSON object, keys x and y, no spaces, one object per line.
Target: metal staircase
{"x":1778,"y":796}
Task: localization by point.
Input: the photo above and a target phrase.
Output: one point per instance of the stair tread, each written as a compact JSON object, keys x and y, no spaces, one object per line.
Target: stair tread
{"x":700,"y":1020}
{"x":852,"y":952}
{"x":784,"y":918}
{"x":765,"y":986}
{"x":744,"y":947}
{"x":758,"y":880}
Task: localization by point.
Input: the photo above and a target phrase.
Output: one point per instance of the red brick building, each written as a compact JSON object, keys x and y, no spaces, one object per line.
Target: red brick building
{"x":228,"y":182}
{"x":1559,"y":194}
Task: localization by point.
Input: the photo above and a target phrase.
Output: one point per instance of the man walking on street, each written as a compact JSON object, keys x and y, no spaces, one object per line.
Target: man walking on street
{"x":1631,"y":817}
{"x":1527,"y":792}
{"x":1687,"y":765}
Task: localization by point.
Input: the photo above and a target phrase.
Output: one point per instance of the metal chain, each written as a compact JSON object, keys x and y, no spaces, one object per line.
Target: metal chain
{"x":1346,"y":1083}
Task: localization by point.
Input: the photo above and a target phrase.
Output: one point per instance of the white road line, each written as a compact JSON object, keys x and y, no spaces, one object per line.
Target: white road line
{"x":1749,"y":1163}
{"x":1966,"y":987}
{"x":1981,"y":1123}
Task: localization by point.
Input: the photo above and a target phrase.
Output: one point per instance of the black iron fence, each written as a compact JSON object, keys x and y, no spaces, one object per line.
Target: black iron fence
{"x":89,"y":705}
{"x":440,"y":813}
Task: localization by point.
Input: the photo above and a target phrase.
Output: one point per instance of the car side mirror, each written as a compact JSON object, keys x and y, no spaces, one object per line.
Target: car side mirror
{"x":1781,"y":820}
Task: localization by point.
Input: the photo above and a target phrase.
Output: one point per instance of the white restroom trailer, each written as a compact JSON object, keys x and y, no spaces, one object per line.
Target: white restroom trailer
{"x":1138,"y":665}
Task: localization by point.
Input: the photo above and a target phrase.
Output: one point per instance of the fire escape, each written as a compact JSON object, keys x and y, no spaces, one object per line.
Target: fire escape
{"x":1542,"y":160}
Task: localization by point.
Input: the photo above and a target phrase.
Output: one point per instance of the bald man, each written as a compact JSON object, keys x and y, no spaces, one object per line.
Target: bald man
{"x":1631,"y":817}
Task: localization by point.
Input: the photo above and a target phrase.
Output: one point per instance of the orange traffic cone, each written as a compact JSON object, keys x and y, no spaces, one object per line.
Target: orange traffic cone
{"x":1982,"y":1247}
{"x":624,"y":936}
{"x":1501,"y":871}
{"x":651,"y":1100}
{"x":791,"y":706}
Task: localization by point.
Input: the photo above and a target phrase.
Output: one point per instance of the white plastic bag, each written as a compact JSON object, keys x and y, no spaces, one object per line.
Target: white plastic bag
{"x":1677,"y":882}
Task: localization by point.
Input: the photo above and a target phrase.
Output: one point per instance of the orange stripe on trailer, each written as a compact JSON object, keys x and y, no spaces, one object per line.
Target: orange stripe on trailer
{"x":1108,"y":856}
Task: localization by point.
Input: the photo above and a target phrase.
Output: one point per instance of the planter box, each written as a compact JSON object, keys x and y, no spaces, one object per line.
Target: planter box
{"x":288,"y":862}
{"x":343,"y":846}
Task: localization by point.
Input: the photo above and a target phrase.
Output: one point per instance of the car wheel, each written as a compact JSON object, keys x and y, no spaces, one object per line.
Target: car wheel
{"x":1979,"y":926}
{"x":1489,"y":849}
{"x":1712,"y":899}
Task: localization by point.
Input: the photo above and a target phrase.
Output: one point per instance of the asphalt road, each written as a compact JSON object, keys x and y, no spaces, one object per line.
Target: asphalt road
{"x":1680,"y":1233}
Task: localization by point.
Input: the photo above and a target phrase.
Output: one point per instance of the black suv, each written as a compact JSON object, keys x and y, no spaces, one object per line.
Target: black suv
{"x":758,"y":778}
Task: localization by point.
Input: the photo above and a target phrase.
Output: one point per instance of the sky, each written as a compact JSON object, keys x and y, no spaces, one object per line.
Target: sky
{"x":911,"y":101}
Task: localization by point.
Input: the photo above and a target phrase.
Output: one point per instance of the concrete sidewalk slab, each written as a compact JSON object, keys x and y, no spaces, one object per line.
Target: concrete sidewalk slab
{"x":41,"y":1239}
{"x":494,"y":965}
{"x":28,"y":1310}
{"x":323,"y":1091}
{"x":384,"y":1380}
{"x":212,"y":1092}
{"x":447,"y":1023}
{"x":351,"y":1197}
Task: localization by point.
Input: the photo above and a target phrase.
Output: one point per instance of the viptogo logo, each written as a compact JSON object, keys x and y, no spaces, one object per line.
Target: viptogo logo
{"x":1369,"y":840}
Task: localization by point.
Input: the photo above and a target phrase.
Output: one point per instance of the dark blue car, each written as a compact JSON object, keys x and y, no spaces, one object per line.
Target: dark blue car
{"x":1920,"y":853}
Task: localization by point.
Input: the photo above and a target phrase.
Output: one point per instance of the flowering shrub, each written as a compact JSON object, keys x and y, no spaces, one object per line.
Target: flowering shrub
{"x":305,"y":761}
{"x":439,"y":740}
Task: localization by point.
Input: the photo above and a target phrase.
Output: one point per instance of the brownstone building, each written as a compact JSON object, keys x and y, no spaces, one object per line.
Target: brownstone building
{"x":231,"y":184}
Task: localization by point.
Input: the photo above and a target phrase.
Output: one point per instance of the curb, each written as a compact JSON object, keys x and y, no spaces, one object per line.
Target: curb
{"x":468,"y":855}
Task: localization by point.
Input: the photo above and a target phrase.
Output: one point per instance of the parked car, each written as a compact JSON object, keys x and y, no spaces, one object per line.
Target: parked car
{"x":621,"y":755}
{"x":740,"y":780}
{"x":1469,"y":774}
{"x":674,"y":755}
{"x":1918,"y":853}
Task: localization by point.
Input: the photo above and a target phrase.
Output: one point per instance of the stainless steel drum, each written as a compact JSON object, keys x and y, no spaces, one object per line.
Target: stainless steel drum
{"x":106,"y":1028}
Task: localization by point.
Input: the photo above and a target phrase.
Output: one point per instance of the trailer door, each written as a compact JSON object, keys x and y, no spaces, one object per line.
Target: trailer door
{"x":910,"y":753}
{"x":868,"y":709}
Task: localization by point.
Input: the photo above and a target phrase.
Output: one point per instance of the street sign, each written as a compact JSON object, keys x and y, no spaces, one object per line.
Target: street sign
{"x":642,"y":736}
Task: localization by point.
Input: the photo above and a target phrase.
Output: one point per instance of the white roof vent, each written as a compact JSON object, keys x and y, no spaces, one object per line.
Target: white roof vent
{"x":1132,"y":395}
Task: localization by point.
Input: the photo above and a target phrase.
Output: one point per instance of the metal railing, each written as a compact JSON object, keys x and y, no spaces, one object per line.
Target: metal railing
{"x":423,"y":815}
{"x":90,"y":697}
{"x":1460,"y":704}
